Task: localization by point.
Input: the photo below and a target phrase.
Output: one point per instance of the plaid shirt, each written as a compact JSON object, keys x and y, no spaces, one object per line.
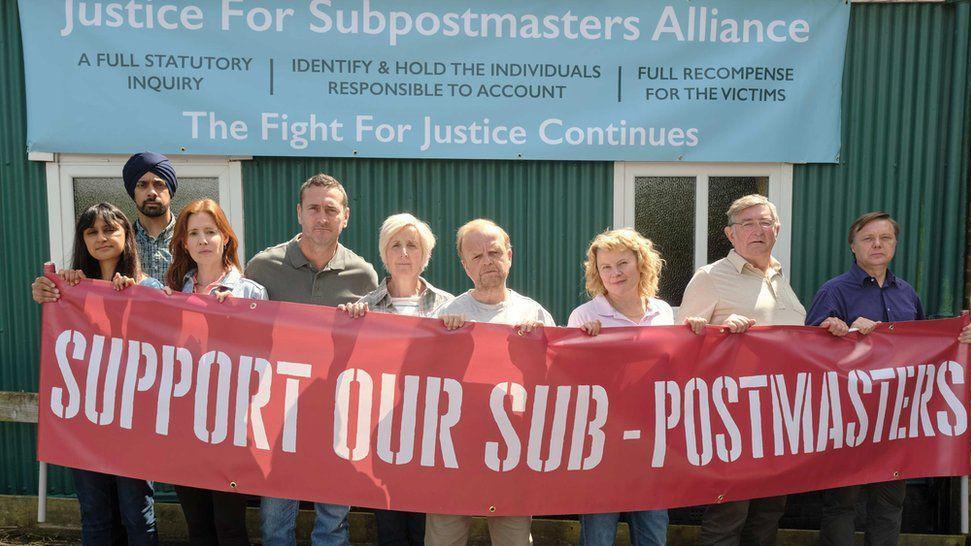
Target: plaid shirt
{"x":431,"y":298}
{"x":153,"y":253}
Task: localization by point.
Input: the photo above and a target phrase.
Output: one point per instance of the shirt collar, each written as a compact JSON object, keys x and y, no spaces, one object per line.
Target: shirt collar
{"x":862,"y":278}
{"x":739,"y":263}
{"x":384,"y":296}
{"x":140,"y":229}
{"x":228,"y":280}
{"x":382,"y":291}
{"x":602,"y":307}
{"x":297,"y":258}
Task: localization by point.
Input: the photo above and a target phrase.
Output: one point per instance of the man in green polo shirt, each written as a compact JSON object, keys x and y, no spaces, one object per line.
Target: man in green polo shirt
{"x":313,"y":268}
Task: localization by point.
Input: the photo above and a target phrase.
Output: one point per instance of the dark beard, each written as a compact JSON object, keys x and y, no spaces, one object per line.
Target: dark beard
{"x":152,"y":212}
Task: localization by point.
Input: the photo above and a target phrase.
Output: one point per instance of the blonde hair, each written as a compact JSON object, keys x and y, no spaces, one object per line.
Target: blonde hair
{"x":649,"y":261}
{"x":749,"y":201}
{"x":479,"y":223}
{"x":397,"y":222}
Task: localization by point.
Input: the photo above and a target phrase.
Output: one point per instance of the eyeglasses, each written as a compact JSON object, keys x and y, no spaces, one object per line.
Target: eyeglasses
{"x":752,"y":225}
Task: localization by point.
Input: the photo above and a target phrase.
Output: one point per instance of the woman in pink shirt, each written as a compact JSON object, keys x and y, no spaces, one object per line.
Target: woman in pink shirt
{"x":622,"y":272}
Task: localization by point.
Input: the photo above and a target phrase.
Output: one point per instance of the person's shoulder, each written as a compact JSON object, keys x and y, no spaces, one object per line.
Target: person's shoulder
{"x":442,"y":294}
{"x":661,"y":306}
{"x":586,"y":307}
{"x":582,"y":313}
{"x":706,"y":274}
{"x":266,"y":262}
{"x":904,"y":285}
{"x":373,"y":297}
{"x":151,"y":282}
{"x":458,"y":302}
{"x":717,"y":265}
{"x":353,"y":261}
{"x":252,"y":289}
{"x":351,"y":257}
{"x":270,"y":255}
{"x":837,"y":283}
{"x":665,"y":313}
{"x":461,"y":299}
{"x":522,"y":300}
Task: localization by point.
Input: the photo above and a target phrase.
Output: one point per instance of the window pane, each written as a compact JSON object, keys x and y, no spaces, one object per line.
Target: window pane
{"x":664,"y":212}
{"x":722,"y":191}
{"x":88,"y":191}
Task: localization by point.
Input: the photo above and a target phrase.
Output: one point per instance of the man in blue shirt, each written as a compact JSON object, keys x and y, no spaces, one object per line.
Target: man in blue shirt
{"x":863,"y":297}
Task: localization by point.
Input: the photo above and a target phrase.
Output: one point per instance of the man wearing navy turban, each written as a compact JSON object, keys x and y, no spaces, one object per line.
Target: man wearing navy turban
{"x":151,"y":182}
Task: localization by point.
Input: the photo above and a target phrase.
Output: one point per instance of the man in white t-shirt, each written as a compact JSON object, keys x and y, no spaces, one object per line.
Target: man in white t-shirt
{"x":486,"y":255}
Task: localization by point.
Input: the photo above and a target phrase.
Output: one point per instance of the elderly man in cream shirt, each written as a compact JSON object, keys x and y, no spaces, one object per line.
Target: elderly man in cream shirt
{"x":746,"y":288}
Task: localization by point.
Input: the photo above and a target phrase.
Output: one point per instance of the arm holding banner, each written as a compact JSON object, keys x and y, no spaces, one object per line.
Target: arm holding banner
{"x":699,"y":303}
{"x":826,"y":312}
{"x":700,"y":298}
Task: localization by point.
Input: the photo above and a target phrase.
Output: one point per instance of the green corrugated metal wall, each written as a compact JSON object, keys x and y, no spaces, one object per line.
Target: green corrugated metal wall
{"x":551,"y":210}
{"x":905,"y":150}
{"x":23,"y":245}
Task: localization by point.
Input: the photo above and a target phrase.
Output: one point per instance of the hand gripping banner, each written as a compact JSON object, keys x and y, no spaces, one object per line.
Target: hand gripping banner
{"x":303,"y":402}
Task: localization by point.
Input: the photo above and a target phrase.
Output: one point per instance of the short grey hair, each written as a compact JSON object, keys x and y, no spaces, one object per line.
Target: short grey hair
{"x":747,"y":202}
{"x":397,"y":222}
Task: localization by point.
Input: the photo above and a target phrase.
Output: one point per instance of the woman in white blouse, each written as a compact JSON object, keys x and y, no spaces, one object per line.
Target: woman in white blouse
{"x":622,"y":272}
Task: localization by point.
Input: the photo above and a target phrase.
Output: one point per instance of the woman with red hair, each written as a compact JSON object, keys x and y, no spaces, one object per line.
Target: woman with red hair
{"x":204,"y":261}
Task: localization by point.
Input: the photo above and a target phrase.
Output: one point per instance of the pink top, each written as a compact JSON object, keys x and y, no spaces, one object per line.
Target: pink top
{"x":659,"y":313}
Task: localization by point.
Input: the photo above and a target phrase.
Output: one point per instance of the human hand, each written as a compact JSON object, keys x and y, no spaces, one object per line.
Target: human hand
{"x":591,"y":327}
{"x":738,"y":324}
{"x":965,"y":335}
{"x":71,"y":276}
{"x":528,"y":326}
{"x":43,"y":290}
{"x":864,"y":325}
{"x":354,"y":310}
{"x":835,"y":326}
{"x":697,"y":324}
{"x":121,"y":282}
{"x":453,"y":322}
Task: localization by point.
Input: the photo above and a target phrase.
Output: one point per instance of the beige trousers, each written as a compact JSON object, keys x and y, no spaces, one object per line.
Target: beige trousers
{"x":449,"y":530}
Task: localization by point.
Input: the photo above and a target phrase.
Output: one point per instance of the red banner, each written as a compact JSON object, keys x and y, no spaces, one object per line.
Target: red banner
{"x":302,"y":402}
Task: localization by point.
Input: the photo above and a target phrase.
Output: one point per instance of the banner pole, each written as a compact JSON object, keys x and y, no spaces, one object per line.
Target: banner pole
{"x":964,"y":505}
{"x":42,"y":493}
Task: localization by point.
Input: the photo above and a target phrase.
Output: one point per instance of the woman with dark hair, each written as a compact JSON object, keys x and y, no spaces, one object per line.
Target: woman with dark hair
{"x":204,"y":261}
{"x":113,"y":508}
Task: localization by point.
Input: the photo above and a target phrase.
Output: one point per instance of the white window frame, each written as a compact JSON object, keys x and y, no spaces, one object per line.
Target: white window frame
{"x":62,"y":169}
{"x":780,"y":193}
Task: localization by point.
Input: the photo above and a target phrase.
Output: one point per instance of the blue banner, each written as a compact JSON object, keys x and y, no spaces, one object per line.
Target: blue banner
{"x":644,"y":80}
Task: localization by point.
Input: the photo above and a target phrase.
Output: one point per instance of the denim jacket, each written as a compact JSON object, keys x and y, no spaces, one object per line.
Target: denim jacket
{"x":232,"y":281}
{"x":429,"y":300}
